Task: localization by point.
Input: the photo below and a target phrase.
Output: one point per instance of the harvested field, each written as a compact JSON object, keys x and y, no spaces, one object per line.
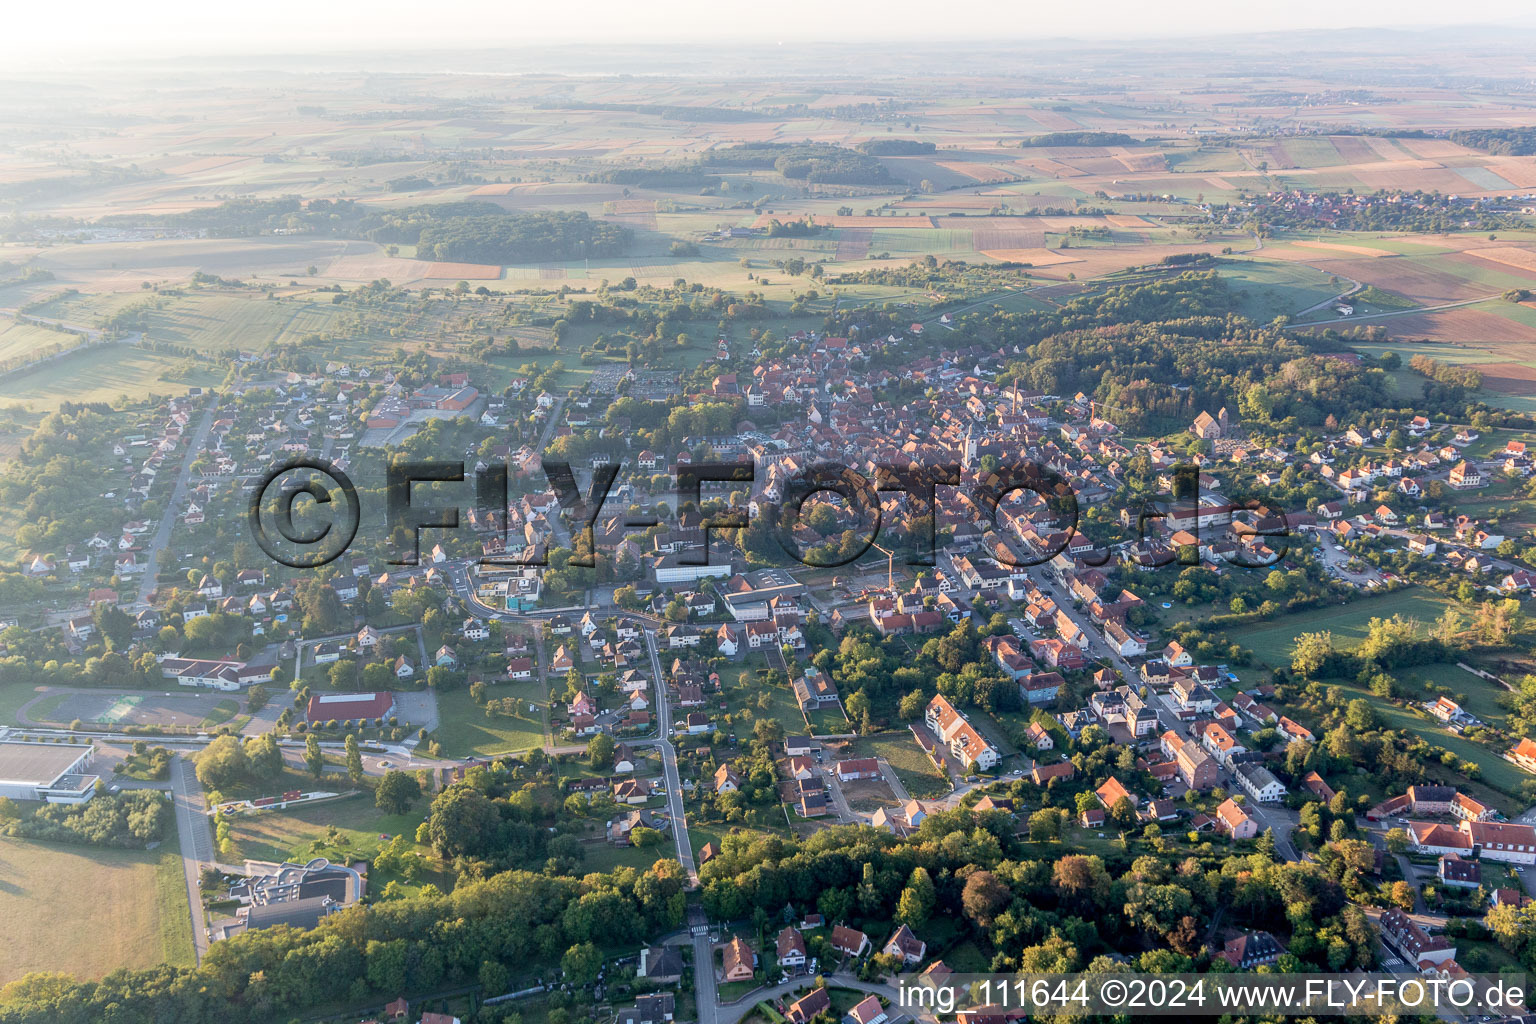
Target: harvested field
{"x":1216,"y":181}
{"x":368,"y":268}
{"x":1463,"y":326}
{"x":1358,"y":250}
{"x":1019,"y":237}
{"x":1508,"y":378}
{"x":1410,"y":178}
{"x":1354,"y":149}
{"x":1434,"y":149}
{"x":1099,"y":165}
{"x":914,"y":169}
{"x":952,"y":202}
{"x":1388,"y":149}
{"x":462,"y":272}
{"x":1143,"y":161}
{"x":207,"y":163}
{"x":1519,"y":173}
{"x":853,"y":243}
{"x":1038,"y":257}
{"x":827,"y":220}
{"x":1121,"y":220}
{"x":1050,"y":168}
{"x":1411,"y":278}
{"x":978,"y":172}
{"x":1508,"y":255}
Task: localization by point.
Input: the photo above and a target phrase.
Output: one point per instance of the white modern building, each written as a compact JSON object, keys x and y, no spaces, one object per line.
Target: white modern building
{"x":54,"y":772}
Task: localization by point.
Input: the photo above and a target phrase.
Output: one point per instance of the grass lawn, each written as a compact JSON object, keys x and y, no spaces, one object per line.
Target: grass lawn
{"x":829,"y":722}
{"x":1497,"y":772}
{"x":912,"y":766}
{"x":464,"y":729}
{"x":222,"y":712}
{"x":606,"y":857}
{"x":1481,"y":697}
{"x":734,"y":990}
{"x":781,"y":708}
{"x":1272,"y":642}
{"x":89,"y":910}
{"x":12,"y":696}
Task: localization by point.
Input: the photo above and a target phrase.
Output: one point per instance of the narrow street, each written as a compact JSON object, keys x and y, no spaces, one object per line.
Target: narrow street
{"x":174,"y":503}
{"x":663,"y":741}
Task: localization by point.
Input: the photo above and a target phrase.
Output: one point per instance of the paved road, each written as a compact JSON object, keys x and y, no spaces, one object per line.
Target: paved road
{"x":196,"y":835}
{"x":733,"y":1012}
{"x":669,"y":764}
{"x":1382,"y":316}
{"x":706,"y":997}
{"x":550,"y":425}
{"x":175,"y":503}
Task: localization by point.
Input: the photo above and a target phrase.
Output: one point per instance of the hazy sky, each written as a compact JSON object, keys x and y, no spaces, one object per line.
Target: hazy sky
{"x":50,"y":31}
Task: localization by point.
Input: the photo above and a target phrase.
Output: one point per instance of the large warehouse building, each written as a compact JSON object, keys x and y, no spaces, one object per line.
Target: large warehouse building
{"x":347,"y":707}
{"x":54,"y":772}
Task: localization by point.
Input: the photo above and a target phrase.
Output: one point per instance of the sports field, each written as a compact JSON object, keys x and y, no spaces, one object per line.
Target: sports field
{"x":88,"y":911}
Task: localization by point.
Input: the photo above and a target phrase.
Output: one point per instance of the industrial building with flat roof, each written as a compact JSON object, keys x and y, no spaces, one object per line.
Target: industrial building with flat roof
{"x":54,"y":772}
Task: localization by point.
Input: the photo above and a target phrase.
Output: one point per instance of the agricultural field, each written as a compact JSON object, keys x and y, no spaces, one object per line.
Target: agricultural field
{"x":90,"y":910}
{"x":106,"y":374}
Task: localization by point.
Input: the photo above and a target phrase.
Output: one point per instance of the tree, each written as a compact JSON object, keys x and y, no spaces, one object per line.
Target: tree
{"x":600,"y":751}
{"x":912,"y":705}
{"x":396,"y":792}
{"x":1045,"y":825}
{"x":464,"y":822}
{"x":917,"y":899}
{"x":1397,"y":841}
{"x":354,"y":759}
{"x":1082,"y":877}
{"x":984,"y":896}
{"x":581,"y":963}
{"x":314,"y":759}
{"x":1359,"y":715}
{"x":221,"y":763}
